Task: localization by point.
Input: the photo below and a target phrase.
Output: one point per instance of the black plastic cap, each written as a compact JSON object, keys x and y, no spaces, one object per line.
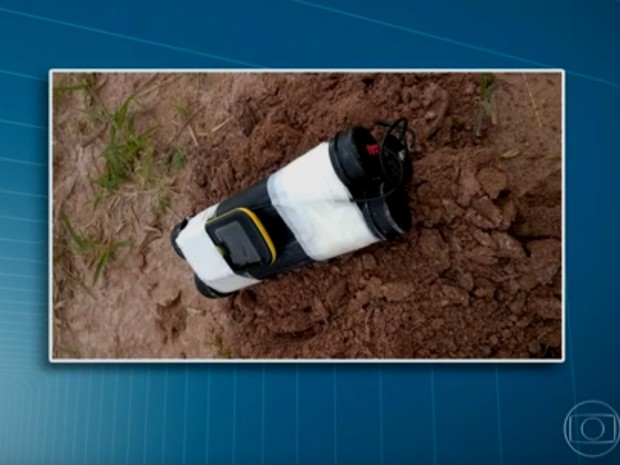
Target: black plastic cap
{"x":390,"y":216}
{"x":173,"y":237}
{"x":208,"y":291}
{"x":348,"y":153}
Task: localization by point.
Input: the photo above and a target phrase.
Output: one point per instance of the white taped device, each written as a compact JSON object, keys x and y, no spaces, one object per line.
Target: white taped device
{"x":307,"y":211}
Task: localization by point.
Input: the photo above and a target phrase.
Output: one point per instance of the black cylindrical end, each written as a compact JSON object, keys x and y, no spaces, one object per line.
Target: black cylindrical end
{"x":208,"y":291}
{"x":173,"y":237}
{"x":349,"y":155}
{"x":388,"y":217}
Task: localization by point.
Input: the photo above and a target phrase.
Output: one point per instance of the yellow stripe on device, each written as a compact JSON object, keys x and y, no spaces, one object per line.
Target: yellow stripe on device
{"x":232,"y":231}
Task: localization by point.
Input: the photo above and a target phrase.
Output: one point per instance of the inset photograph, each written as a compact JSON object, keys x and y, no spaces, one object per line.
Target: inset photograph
{"x":306,"y":215}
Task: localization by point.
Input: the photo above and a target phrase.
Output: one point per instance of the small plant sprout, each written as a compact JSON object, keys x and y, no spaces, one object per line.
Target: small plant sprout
{"x":178,"y":159}
{"x":163,"y":202}
{"x":485,"y":108}
{"x":106,"y":254}
{"x":86,"y":82}
{"x":180,"y":108}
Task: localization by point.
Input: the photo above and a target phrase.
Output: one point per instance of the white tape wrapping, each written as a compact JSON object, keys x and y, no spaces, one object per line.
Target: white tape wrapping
{"x":204,"y":258}
{"x":317,"y":206}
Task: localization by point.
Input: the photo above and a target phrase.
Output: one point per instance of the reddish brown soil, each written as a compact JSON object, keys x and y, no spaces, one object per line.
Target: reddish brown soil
{"x":479,"y":276}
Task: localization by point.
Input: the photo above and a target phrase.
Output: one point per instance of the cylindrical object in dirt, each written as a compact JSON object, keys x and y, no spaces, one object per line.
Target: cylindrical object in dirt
{"x":340,"y":196}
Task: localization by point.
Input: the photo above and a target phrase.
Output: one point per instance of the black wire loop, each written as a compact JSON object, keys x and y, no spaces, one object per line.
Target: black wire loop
{"x":402,"y":126}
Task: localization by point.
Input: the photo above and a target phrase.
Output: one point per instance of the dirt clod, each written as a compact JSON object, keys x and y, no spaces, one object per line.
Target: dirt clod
{"x":336,"y":294}
{"x":369,"y":261}
{"x":493,"y":181}
{"x":397,"y":292}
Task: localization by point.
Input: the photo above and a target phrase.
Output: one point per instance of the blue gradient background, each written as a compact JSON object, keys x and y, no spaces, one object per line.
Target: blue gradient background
{"x":194,"y":414}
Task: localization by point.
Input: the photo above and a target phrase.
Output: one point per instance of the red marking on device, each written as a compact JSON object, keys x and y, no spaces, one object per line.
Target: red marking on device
{"x":373,"y":149}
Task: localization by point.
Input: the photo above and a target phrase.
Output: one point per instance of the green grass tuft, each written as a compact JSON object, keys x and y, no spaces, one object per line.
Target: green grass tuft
{"x":96,"y":251}
{"x":106,"y":254}
{"x":163,"y":202}
{"x":86,"y":82}
{"x":180,"y":108}
{"x":179,"y":160}
{"x":222,"y":352}
{"x":81,"y":242}
{"x":125,"y":149}
{"x":486,"y":108}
